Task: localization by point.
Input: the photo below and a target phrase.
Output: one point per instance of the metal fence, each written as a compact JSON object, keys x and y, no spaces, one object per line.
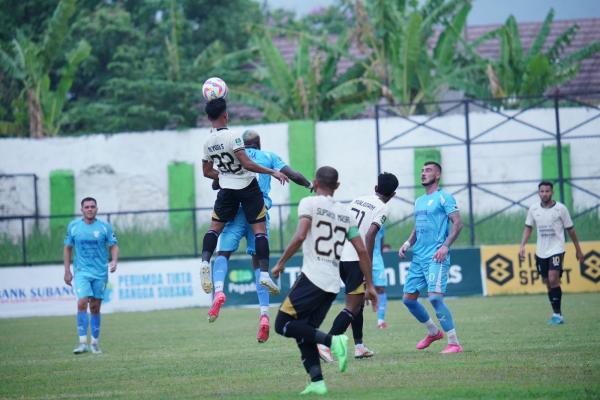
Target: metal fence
{"x":469,"y":137}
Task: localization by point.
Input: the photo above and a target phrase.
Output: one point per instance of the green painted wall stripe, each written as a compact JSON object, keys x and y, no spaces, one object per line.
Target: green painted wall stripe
{"x":420,"y":157}
{"x":182,"y":194}
{"x":302,"y":153}
{"x":62,"y":199}
{"x":550,"y":171}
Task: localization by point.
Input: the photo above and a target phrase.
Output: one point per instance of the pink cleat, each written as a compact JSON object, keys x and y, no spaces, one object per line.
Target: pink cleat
{"x":423,"y":344}
{"x":452,"y":348}
{"x":218,"y":301}
{"x":263,"y":329}
{"x":382,"y":325}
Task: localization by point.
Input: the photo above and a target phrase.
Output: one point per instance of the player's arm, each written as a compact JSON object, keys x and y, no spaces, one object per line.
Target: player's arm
{"x":412,"y":238}
{"x":457,"y":226}
{"x":114,"y":257}
{"x":208,"y":170}
{"x":292,"y":247}
{"x":296,"y":177}
{"x":67,"y":254}
{"x":370,"y":239}
{"x":366,"y":267}
{"x":526,"y":234}
{"x":573,"y":236}
{"x":250,"y":165}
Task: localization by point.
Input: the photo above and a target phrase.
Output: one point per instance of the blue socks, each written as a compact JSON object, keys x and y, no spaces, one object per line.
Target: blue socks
{"x":82,"y":323}
{"x":442,"y":312}
{"x":382,"y":297}
{"x":416,"y":309}
{"x":219,"y":273}
{"x":262,"y":292}
{"x":95,"y":323}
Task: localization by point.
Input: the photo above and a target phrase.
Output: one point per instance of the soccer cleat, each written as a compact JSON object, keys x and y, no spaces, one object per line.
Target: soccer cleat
{"x":263,"y":329}
{"x":82,"y":348}
{"x":556,"y":320}
{"x":362,"y":352}
{"x":452,"y":348}
{"x":339,"y":348}
{"x":218,"y":301}
{"x":269,"y":284}
{"x":205,"y":276}
{"x":325,"y":353}
{"x":382,"y":325}
{"x":95,"y":348}
{"x":423,"y":344}
{"x":315,"y":388}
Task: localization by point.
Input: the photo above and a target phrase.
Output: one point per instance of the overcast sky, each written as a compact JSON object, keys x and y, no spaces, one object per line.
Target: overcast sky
{"x":484,"y":11}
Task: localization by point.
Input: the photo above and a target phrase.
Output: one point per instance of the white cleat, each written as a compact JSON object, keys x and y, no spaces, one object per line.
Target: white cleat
{"x":362,"y":352}
{"x":269,"y":284}
{"x":206,"y":277}
{"x":95,"y":348}
{"x":82,"y":348}
{"x":325,"y":353}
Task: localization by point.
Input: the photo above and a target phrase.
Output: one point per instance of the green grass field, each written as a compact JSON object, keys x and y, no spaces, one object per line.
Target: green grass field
{"x":510,"y":352}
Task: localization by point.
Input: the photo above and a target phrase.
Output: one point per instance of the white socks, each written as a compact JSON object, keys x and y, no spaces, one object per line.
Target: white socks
{"x":264,"y":310}
{"x":432,"y":329}
{"x":83,"y":339}
{"x":452,"y":338}
{"x":219,"y":286}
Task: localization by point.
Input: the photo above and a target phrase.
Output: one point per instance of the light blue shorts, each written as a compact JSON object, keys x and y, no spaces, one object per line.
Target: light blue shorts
{"x":379,"y":277}
{"x":86,"y":286}
{"x":427,"y":277}
{"x":235,"y":230}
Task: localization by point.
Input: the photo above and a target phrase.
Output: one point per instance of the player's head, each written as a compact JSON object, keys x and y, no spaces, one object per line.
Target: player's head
{"x":89,"y":208}
{"x":251,"y":138}
{"x":545,"y":190}
{"x":216,"y":111}
{"x":430,"y":173}
{"x":326,"y":180}
{"x":386,"y":186}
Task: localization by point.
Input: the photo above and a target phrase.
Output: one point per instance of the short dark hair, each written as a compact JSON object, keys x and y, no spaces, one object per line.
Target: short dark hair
{"x":89,"y":199}
{"x":386,"y":183}
{"x":439,"y":167}
{"x":546,"y":183}
{"x":215,"y":108}
{"x":327,"y":176}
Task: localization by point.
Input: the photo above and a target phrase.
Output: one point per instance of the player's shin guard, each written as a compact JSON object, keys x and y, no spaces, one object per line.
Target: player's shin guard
{"x":219,"y":272}
{"x":357,"y":326}
{"x":262,"y":293}
{"x":209,"y":244}
{"x":310,"y":360}
{"x":82,"y":326}
{"x":95,"y":325}
{"x":442,"y":312}
{"x":382,"y":297}
{"x":262,"y":251}
{"x":341,"y":322}
{"x":555,"y":297}
{"x":416,"y":309}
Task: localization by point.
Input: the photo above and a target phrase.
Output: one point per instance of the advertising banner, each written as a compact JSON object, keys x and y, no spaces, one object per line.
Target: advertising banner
{"x":504,"y":273}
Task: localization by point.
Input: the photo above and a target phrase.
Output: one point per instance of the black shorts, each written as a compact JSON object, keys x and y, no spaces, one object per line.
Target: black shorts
{"x":352,"y":276}
{"x":228,"y":203}
{"x":554,"y":262}
{"x":307,"y":302}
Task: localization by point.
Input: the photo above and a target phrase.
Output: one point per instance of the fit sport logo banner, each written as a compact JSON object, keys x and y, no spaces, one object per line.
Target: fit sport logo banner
{"x":505,"y":274}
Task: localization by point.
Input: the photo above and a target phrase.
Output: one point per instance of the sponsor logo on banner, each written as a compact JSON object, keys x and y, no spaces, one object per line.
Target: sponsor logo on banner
{"x":36,"y":294}
{"x":505,"y":274}
{"x":154,"y":285}
{"x":241,"y":281}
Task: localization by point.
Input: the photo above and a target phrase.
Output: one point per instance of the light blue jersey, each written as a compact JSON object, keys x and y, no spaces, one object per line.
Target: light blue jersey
{"x":91,"y":242}
{"x":431,"y":223}
{"x":379,"y":277}
{"x":235,"y":230}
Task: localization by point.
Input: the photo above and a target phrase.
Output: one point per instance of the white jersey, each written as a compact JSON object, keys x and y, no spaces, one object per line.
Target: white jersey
{"x":551,"y":224}
{"x":331,"y":224}
{"x":220,"y":148}
{"x":367,"y":210}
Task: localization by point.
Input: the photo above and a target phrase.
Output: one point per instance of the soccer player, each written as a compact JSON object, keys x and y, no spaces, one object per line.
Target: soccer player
{"x":323,"y":227}
{"x":380,"y":279}
{"x":237,"y":179}
{"x":370,"y":212}
{"x":90,"y":237}
{"x":551,"y":219}
{"x":238,"y":228}
{"x":428,"y":270}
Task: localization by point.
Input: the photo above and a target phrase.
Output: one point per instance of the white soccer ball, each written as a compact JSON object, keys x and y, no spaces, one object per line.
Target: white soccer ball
{"x":214,"y":88}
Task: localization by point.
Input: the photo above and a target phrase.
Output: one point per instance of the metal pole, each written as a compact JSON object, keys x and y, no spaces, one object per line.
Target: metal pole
{"x":23,"y":241}
{"x":377,"y":138}
{"x":469,"y":177}
{"x":559,"y":150}
{"x":35,"y":199}
{"x":195,"y":234}
{"x":280,"y":228}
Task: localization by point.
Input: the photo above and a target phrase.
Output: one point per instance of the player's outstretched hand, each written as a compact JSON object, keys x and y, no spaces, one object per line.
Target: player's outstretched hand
{"x":522,"y":254}
{"x":282,"y":178}
{"x":112,"y":266}
{"x":68,"y":277}
{"x":277,"y":270}
{"x":579,"y":256}
{"x":371,"y":296}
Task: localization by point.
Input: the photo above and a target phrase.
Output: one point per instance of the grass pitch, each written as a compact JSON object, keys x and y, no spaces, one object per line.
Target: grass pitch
{"x":510,"y":352}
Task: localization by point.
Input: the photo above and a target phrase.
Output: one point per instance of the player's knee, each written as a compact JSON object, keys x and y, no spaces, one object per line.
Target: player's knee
{"x":436,"y":301}
{"x":409,"y":302}
{"x":213,"y":232}
{"x":82,"y":305}
{"x":281,"y":322}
